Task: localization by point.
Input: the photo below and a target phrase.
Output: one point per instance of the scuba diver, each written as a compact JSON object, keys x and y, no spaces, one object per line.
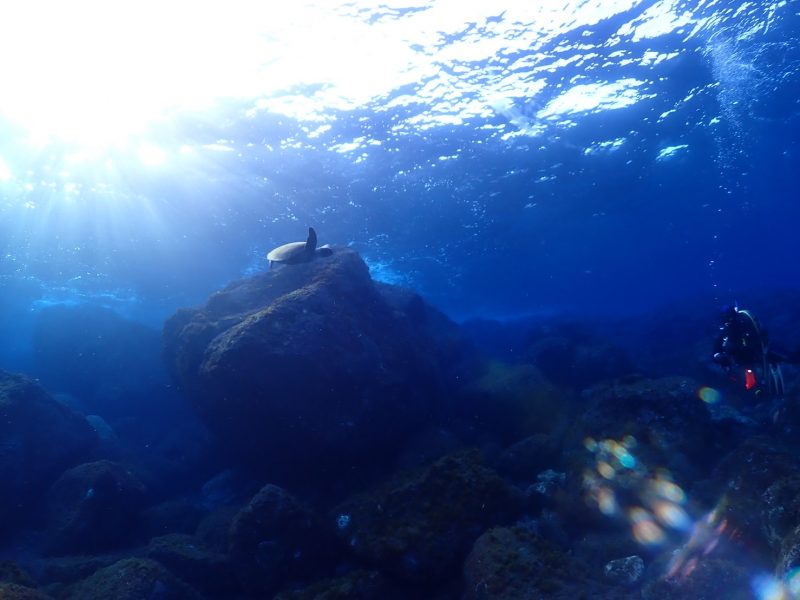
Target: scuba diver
{"x":742,"y":349}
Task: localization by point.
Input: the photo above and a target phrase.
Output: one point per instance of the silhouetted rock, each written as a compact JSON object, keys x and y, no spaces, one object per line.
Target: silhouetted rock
{"x":307,"y":367}
{"x":420,"y":527}
{"x":133,"y":579}
{"x":275,"y":539}
{"x":93,"y":507}
{"x":40,"y":438}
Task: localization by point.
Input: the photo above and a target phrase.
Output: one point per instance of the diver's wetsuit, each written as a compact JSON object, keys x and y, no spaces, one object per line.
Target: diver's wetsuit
{"x":742,"y":342}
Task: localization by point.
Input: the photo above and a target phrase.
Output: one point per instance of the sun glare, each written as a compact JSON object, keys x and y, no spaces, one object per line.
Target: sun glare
{"x":99,"y":74}
{"x":96,"y":73}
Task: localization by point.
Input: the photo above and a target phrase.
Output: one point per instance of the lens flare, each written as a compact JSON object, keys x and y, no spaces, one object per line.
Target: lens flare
{"x":669,"y":490}
{"x":606,"y":470}
{"x":767,"y":587}
{"x":645,"y":530}
{"x":607,"y":501}
{"x":709,"y":395}
{"x":671,"y":515}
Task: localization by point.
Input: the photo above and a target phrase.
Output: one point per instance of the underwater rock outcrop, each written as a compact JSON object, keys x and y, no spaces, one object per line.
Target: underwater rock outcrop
{"x":93,"y":507}
{"x":669,"y":424}
{"x":40,"y":438}
{"x":301,"y":368}
{"x":133,"y":579}
{"x":13,"y":591}
{"x":418,"y":528}
{"x":276,"y":539}
{"x":356,"y":585}
{"x":188,"y":557}
{"x":513,"y":563}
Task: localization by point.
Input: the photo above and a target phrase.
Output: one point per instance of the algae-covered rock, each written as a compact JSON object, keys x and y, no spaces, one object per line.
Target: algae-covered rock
{"x":789,"y":557}
{"x":512,"y":563}
{"x":133,"y":579}
{"x":276,"y":539}
{"x":419,"y":527}
{"x":94,"y":507}
{"x":298,"y":369}
{"x":780,"y":509}
{"x":214,"y":529}
{"x":625,"y":571}
{"x":356,"y":585}
{"x":760,"y":483}
{"x":671,"y":426}
{"x":195,"y":563}
{"x":40,"y":438}
{"x":710,"y":579}
{"x":13,"y":591}
{"x":64,"y":570}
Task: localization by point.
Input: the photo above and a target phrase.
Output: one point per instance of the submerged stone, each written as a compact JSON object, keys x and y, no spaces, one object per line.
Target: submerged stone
{"x":276,"y":539}
{"x":133,"y":579}
{"x":13,"y":591}
{"x":195,"y":563}
{"x":94,"y":507}
{"x":39,"y":438}
{"x":420,"y":527}
{"x":625,"y":571}
{"x":513,"y":563}
{"x":299,"y":369}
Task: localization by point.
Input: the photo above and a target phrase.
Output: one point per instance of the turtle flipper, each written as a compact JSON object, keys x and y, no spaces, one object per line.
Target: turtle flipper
{"x":311,"y":242}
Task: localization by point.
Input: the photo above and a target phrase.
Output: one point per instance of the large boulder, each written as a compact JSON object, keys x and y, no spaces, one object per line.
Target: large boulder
{"x":513,"y":563}
{"x":93,"y":507}
{"x":276,"y":539}
{"x":133,"y":579}
{"x":194,"y":562}
{"x":419,"y":527}
{"x":306,"y":366}
{"x":39,"y":438}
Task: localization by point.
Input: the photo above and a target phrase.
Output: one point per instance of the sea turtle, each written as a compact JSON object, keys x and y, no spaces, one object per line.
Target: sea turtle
{"x":298,"y":252}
